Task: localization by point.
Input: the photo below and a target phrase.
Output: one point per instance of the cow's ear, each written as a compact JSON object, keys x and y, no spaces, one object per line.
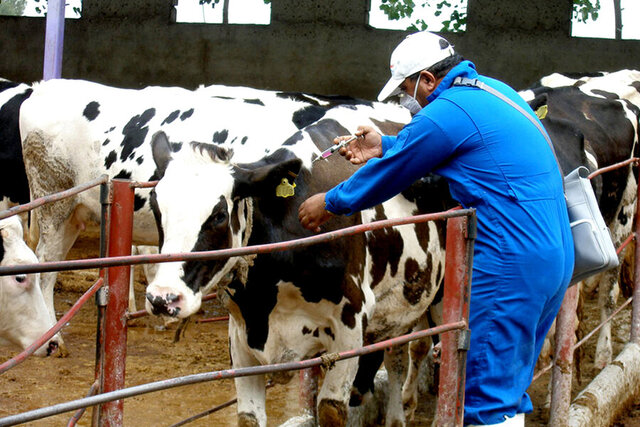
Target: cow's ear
{"x":262,"y":177}
{"x":161,"y":150}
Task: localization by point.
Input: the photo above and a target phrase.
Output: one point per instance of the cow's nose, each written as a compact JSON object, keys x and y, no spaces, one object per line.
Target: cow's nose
{"x":53,"y":346}
{"x":164,"y":304}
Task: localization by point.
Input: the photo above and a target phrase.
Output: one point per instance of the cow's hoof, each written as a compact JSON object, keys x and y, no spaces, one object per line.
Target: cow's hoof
{"x":332,"y":413}
{"x":247,"y":420}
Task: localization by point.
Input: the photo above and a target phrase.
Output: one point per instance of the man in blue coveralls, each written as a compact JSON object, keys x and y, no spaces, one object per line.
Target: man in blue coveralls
{"x":496,"y":161}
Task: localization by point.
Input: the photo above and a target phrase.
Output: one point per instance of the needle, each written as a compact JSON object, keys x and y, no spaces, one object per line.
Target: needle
{"x":329,"y":151}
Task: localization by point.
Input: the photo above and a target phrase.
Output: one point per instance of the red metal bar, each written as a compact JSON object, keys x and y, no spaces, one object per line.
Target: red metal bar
{"x":76,"y":417}
{"x":457,"y":287}
{"x":625,"y":243}
{"x":612,"y":167}
{"x":148,"y":184}
{"x":112,"y":261}
{"x":214,"y":409}
{"x":54,"y":330}
{"x":53,"y":197}
{"x":213,"y":319}
{"x":115,"y":344}
{"x":563,"y":359}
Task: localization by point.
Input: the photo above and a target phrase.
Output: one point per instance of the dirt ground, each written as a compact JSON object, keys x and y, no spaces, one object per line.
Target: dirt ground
{"x":152,"y":355}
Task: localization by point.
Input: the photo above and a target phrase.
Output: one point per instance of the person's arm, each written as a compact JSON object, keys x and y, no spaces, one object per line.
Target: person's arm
{"x":419,"y":148}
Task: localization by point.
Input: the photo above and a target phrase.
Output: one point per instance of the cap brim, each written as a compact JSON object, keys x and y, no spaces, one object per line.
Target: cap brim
{"x":390,"y":88}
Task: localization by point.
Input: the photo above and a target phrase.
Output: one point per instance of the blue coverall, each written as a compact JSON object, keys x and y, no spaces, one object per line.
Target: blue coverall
{"x":497,"y":162}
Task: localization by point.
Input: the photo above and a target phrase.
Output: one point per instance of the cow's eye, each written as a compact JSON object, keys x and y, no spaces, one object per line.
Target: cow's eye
{"x":21,"y":278}
{"x":219,"y":218}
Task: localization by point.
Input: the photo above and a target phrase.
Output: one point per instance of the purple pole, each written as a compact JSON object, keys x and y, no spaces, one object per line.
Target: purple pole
{"x":54,"y":40}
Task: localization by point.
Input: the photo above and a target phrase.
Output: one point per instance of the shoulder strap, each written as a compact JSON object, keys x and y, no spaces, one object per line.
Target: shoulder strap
{"x":464,"y":81}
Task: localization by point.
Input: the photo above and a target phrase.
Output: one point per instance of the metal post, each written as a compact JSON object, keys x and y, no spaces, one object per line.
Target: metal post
{"x":457,"y":287}
{"x":563,"y":359}
{"x":309,"y":390}
{"x":54,"y":39}
{"x":101,"y":296}
{"x":635,"y":313}
{"x":115,"y":340}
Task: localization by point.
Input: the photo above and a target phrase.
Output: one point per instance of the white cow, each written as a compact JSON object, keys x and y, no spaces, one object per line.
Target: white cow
{"x":23,"y":314}
{"x":73,"y":131}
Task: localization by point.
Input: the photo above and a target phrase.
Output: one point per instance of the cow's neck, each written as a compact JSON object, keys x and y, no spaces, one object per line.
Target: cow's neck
{"x":240,"y":270}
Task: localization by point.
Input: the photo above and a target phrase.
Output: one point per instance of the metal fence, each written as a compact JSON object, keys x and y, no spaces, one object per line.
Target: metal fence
{"x":107,"y":392}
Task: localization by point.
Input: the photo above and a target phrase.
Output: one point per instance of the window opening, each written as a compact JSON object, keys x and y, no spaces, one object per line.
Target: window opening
{"x":597,"y":19}
{"x":257,"y":12}
{"x":432,"y":15}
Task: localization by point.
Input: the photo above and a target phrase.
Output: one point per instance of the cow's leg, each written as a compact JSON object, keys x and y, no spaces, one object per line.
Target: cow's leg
{"x":250,"y":391}
{"x":54,"y":244}
{"x":609,"y":288}
{"x":363,"y":383}
{"x":607,"y":300}
{"x":395,"y":362}
{"x":418,"y":351}
{"x":334,"y":394}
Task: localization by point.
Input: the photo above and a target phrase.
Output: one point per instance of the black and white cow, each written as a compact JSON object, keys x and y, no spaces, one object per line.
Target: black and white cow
{"x":73,"y":131}
{"x":593,"y":121}
{"x":14,"y":187}
{"x":292,"y":305}
{"x":23,"y":315}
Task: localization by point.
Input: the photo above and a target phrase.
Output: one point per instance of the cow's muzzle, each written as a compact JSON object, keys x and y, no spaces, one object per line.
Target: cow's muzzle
{"x":166,"y":304}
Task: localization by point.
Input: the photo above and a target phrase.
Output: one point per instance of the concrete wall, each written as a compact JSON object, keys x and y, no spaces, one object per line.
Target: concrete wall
{"x":321,"y":46}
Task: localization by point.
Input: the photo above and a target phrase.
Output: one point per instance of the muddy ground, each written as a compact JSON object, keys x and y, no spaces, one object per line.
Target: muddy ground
{"x":152,"y":355}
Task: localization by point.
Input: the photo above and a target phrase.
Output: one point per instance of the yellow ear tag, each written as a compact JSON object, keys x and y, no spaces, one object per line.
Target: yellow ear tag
{"x":284,"y":189}
{"x":542,"y":112}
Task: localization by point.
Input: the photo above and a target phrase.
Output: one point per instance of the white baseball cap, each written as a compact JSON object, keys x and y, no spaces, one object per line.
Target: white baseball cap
{"x":416,"y":52}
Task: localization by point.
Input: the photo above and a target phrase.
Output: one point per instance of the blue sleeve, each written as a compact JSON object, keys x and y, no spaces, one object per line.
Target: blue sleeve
{"x":419,"y":148}
{"x":387,"y":142}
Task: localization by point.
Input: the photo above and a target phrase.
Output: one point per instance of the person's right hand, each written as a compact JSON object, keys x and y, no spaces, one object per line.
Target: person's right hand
{"x":367,"y":146}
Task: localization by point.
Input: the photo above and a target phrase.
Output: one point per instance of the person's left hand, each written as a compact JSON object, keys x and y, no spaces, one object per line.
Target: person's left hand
{"x":312,"y":213}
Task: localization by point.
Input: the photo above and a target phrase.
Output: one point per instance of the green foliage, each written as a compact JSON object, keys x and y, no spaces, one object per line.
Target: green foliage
{"x":584,"y":10}
{"x":399,"y":9}
{"x":12,"y":7}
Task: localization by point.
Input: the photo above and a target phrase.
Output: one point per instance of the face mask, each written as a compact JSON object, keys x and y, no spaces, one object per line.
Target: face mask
{"x":410,"y":102}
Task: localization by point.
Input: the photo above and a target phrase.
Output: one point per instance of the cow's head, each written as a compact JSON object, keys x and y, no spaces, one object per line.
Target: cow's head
{"x":23,"y":316}
{"x":200,"y":204}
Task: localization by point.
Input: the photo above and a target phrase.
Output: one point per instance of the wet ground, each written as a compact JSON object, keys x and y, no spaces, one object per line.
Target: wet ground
{"x":153,"y":355}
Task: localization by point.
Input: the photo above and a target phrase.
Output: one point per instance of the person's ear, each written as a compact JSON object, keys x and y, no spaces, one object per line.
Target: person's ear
{"x":429,"y":79}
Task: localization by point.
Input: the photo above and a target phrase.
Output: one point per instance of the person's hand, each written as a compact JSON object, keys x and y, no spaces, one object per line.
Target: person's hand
{"x":312,"y":213}
{"x":367,"y":146}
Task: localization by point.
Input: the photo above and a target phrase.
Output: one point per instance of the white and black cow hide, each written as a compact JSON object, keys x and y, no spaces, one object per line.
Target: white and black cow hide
{"x":11,"y":165}
{"x":296,"y":304}
{"x":73,"y":131}
{"x":23,"y":315}
{"x":593,"y":121}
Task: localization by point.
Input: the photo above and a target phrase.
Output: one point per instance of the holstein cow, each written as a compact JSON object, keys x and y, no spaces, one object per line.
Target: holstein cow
{"x":73,"y":131}
{"x":23,"y":317}
{"x":287,"y":306}
{"x":593,"y":121}
{"x":14,"y":187}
